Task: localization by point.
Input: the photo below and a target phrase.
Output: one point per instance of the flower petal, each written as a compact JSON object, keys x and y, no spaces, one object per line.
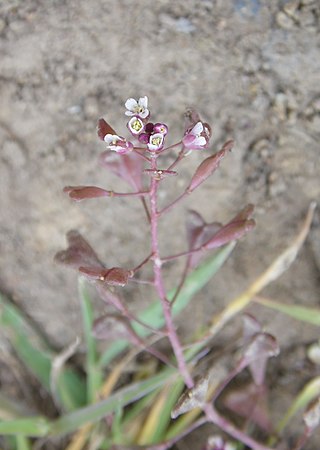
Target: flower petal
{"x":131,"y":104}
{"x":197,"y":129}
{"x":143,"y":101}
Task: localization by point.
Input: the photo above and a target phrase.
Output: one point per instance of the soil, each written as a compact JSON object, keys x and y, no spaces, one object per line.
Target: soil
{"x":251,"y":68}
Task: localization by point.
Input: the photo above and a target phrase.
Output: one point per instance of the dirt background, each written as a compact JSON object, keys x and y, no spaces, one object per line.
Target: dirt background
{"x":251,"y":68}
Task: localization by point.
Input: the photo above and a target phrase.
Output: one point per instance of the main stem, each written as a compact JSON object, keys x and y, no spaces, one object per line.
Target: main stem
{"x":159,"y":285}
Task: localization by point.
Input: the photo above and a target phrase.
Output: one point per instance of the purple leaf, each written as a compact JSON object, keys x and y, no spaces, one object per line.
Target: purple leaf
{"x":250,"y":402}
{"x":79,"y":193}
{"x":198,"y":232}
{"x":78,"y":253}
{"x":208,"y":166}
{"x":128,"y":167}
{"x":251,"y":326}
{"x":104,"y":128}
{"x":116,"y":276}
{"x":112,"y":327}
{"x":262,"y":347}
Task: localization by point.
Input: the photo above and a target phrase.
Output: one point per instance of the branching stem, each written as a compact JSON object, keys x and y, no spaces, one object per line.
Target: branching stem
{"x":159,"y":285}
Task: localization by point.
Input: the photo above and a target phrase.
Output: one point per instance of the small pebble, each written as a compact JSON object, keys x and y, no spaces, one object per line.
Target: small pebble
{"x":284,"y":21}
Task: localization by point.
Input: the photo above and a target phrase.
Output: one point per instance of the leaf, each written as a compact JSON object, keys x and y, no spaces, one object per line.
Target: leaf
{"x":198,"y":232}
{"x":113,"y":327}
{"x":104,"y":128}
{"x":36,"y":354}
{"x":262,"y":347}
{"x":251,"y":403}
{"x":159,"y":416}
{"x":33,"y":427}
{"x":94,"y":374}
{"x":309,"y":392}
{"x":301,"y":313}
{"x":78,"y":253}
{"x":129,"y":167}
{"x":92,"y":413}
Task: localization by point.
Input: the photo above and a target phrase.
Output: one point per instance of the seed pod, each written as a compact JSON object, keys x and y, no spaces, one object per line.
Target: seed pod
{"x":208,"y":166}
{"x":79,"y":193}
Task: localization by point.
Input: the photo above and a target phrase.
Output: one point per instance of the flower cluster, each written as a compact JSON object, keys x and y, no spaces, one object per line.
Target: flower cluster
{"x":152,"y":135}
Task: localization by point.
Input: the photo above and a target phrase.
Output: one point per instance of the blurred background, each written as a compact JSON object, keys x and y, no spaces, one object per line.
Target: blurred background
{"x":251,"y":68}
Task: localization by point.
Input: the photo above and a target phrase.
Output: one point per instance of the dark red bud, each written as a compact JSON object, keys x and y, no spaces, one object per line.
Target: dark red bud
{"x":104,"y":128}
{"x":116,"y":276}
{"x":208,"y":166}
{"x":79,"y":193}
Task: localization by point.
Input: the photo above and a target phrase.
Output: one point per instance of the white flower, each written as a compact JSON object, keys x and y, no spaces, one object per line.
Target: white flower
{"x":197,"y":137}
{"x":137,"y":108}
{"x":117,"y":143}
{"x":155,"y":142}
{"x":135,"y":125}
{"x":196,"y":131}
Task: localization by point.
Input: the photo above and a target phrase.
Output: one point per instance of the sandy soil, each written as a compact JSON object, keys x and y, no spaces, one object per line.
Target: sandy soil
{"x":251,"y":68}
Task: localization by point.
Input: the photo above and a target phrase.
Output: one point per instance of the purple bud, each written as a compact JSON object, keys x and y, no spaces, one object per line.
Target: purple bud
{"x":144,"y":138}
{"x":160,"y":128}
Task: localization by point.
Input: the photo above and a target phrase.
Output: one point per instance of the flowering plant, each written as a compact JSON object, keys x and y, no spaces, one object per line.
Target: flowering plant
{"x":182,"y":392}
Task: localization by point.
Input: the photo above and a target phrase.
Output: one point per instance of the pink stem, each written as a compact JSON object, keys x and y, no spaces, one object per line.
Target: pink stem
{"x":227,"y":427}
{"x":178,"y":159}
{"x":171,"y":205}
{"x":159,"y":285}
{"x":179,"y":255}
{"x":128,"y":194}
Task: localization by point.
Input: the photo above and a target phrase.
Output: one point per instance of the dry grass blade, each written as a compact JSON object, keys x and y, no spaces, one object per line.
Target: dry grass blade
{"x":57,"y":366}
{"x":274,"y":271}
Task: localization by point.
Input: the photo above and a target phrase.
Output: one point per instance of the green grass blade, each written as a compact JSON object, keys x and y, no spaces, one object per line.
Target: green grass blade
{"x":302,"y":313}
{"x":23,"y":443}
{"x":164,"y":416}
{"x":308,"y":393}
{"x":11,"y":409}
{"x":32,"y":427}
{"x":94,"y":374}
{"x":36,"y":354}
{"x":92,"y":413}
{"x":153,"y":314}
